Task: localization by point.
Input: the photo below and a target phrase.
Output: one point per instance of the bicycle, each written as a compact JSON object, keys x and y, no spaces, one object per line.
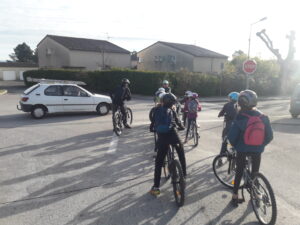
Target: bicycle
{"x":261,"y":193}
{"x":117,"y":119}
{"x":172,"y":169}
{"x":193,"y":133}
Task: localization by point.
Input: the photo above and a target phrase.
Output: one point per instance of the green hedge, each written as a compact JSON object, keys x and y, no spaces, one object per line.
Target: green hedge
{"x":145,"y":83}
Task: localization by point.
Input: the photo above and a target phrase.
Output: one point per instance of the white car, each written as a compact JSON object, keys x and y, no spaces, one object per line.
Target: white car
{"x":45,"y":98}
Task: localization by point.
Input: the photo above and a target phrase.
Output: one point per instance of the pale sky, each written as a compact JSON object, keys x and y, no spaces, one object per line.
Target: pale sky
{"x":218,"y":25}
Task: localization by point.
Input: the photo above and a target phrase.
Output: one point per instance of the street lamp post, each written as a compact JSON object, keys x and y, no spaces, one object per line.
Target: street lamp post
{"x":262,"y":19}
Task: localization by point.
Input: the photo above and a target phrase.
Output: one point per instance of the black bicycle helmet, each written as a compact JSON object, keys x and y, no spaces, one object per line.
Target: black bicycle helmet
{"x":169,"y":100}
{"x":125,"y":81}
{"x":247,"y":99}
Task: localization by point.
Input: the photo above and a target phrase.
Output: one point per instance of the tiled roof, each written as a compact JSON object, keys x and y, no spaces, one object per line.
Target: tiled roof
{"x":90,"y":45}
{"x":18,"y":64}
{"x":194,"y":50}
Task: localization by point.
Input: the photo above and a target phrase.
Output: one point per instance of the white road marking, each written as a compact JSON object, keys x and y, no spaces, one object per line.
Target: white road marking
{"x":113,"y":145}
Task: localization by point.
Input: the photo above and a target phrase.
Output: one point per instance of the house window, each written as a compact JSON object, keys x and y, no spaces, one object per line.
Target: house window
{"x":140,"y":59}
{"x":172,"y":59}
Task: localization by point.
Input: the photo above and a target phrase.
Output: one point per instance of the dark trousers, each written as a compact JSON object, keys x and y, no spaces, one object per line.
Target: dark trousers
{"x":189,"y":121}
{"x":225,"y":132}
{"x":122,"y":109}
{"x":163,"y":142}
{"x":240,"y":165}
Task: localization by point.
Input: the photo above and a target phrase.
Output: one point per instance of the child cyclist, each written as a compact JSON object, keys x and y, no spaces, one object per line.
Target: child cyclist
{"x":229,"y":111}
{"x":164,"y":124}
{"x":250,"y":133}
{"x":192,"y":107}
{"x":184,"y":101}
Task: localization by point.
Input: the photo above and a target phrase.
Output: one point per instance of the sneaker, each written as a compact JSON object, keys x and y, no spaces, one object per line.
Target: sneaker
{"x":154,"y":191}
{"x":127,"y":126}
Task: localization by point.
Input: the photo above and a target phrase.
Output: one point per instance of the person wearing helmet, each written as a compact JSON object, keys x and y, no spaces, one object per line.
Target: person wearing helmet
{"x":157,"y":94}
{"x":166,"y":86}
{"x":250,"y":133}
{"x":229,"y":111}
{"x":151,"y":114}
{"x":184,"y":101}
{"x":119,"y":96}
{"x":164,"y":123}
{"x":192,"y":107}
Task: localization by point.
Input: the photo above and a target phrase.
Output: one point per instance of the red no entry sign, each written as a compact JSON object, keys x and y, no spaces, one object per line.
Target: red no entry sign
{"x":249,"y":66}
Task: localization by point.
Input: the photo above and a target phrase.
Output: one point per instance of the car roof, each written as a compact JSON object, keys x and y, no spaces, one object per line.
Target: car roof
{"x":48,"y":84}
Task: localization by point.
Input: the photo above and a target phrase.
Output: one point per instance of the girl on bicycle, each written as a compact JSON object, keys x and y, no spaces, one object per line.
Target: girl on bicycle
{"x":191,"y":107}
{"x":249,"y":134}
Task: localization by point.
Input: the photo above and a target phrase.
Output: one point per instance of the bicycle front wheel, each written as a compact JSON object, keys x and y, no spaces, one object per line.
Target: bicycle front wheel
{"x":129,"y":116}
{"x":224,"y":169}
{"x":178,"y":183}
{"x":263,"y":200}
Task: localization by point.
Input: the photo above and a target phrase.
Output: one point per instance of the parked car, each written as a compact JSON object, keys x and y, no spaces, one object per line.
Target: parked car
{"x":44,"y":98}
{"x":295,"y":102}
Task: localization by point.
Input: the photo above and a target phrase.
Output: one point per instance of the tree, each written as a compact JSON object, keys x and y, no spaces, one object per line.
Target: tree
{"x":286,"y":63}
{"x":23,"y":53}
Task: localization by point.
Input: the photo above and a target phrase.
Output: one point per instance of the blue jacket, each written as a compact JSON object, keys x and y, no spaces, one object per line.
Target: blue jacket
{"x":236,"y":133}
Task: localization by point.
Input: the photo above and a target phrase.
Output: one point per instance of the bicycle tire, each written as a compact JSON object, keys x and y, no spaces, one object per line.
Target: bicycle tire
{"x":178,"y":182}
{"x":117,"y":124}
{"x":195,"y":135}
{"x":129,"y":116}
{"x":166,"y":165}
{"x":265,"y":198}
{"x":226,"y":174}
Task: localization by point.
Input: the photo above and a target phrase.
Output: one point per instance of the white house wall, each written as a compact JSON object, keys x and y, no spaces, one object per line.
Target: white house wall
{"x":14,"y":73}
{"x":208,"y":65}
{"x":52,"y":54}
{"x":94,"y":60}
{"x":147,"y":60}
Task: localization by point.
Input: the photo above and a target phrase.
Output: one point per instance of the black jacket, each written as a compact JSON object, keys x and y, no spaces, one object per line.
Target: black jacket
{"x":229,"y":111}
{"x":175,"y":121}
{"x":121,"y":94}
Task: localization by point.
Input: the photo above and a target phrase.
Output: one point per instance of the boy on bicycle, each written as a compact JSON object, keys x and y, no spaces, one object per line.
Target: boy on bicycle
{"x":119,"y":96}
{"x":164,"y":124}
{"x":249,"y":134}
{"x":229,"y":111}
{"x":191,"y":107}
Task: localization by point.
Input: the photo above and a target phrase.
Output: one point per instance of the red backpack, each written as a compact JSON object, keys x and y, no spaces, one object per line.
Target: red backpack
{"x":255,"y":130}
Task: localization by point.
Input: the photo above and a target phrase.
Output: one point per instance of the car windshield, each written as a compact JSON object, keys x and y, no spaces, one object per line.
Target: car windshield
{"x":32,"y":88}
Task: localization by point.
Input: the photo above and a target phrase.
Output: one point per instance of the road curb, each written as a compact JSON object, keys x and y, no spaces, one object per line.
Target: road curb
{"x":4,"y":92}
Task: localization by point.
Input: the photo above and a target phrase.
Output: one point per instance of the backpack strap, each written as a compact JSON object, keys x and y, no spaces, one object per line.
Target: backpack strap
{"x":244,"y":114}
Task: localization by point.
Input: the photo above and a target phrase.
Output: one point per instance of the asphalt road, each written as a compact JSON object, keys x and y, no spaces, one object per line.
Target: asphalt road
{"x":70,"y":169}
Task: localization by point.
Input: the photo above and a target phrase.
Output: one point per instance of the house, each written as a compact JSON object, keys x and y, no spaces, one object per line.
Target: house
{"x":166,"y":56}
{"x":81,"y":53}
{"x":14,"y":70}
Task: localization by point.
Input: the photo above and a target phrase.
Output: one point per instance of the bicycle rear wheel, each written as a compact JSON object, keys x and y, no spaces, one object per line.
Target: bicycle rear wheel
{"x":224,"y":169}
{"x":178,"y":183}
{"x":263,"y":200}
{"x":195,"y":134}
{"x":117,"y":123}
{"x":166,"y":165}
{"x":129,"y":116}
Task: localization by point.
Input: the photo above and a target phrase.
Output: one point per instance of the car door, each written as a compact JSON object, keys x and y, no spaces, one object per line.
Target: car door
{"x":53,"y":98}
{"x":76,"y":99}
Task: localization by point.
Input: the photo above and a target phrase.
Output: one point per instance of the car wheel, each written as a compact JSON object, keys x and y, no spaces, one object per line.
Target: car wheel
{"x":102,"y":109}
{"x":294,"y":116}
{"x":38,"y":112}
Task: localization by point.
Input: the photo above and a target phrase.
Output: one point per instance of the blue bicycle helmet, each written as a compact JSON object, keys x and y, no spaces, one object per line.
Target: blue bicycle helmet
{"x":234,"y":96}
